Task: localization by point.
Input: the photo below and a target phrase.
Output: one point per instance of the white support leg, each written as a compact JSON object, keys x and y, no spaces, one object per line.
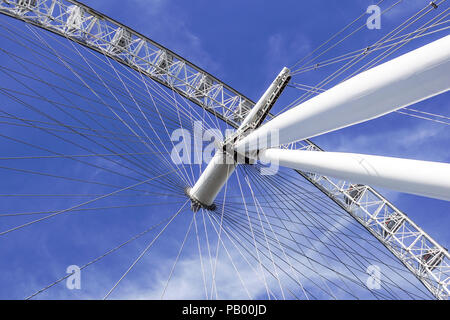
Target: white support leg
{"x":410,"y":78}
{"x":224,"y":162}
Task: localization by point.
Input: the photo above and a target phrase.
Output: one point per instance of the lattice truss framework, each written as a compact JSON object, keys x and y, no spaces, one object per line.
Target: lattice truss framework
{"x":423,"y":256}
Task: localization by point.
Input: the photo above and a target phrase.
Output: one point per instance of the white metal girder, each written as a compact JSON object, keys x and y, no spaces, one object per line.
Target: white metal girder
{"x":426,"y":178}
{"x":82,"y":24}
{"x":223,"y":164}
{"x":420,"y":253}
{"x":96,"y":31}
{"x":398,"y":83}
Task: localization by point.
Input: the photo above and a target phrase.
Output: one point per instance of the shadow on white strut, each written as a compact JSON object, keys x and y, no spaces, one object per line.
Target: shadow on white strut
{"x":224,"y":162}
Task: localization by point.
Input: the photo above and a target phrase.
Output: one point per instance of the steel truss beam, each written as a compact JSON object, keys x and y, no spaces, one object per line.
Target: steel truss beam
{"x":420,"y":253}
{"x":423,"y":256}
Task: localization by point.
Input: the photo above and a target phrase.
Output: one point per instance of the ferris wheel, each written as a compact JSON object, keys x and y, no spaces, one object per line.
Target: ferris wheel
{"x":97,"y":125}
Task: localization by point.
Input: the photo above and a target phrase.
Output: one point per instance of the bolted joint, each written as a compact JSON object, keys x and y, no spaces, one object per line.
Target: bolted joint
{"x":212,"y":180}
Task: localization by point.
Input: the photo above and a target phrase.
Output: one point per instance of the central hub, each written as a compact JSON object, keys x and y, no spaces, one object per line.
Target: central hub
{"x":211,"y":181}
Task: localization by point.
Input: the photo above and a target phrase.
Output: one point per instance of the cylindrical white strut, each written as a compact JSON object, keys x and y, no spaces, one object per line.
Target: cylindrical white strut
{"x":426,"y":178}
{"x":261,"y":104}
{"x":223,"y":164}
{"x":213,"y":179}
{"x":410,"y":78}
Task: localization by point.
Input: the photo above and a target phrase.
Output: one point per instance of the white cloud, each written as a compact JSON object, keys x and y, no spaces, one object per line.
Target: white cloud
{"x":283,"y":51}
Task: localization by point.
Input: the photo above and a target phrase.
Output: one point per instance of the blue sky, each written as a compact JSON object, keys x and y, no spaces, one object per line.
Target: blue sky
{"x":245,"y":44}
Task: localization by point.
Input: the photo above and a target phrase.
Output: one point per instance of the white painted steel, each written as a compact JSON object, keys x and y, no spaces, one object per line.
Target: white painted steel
{"x":213,"y":179}
{"x":426,"y":178}
{"x":223,"y":164}
{"x":252,"y":115}
{"x":410,"y":78}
